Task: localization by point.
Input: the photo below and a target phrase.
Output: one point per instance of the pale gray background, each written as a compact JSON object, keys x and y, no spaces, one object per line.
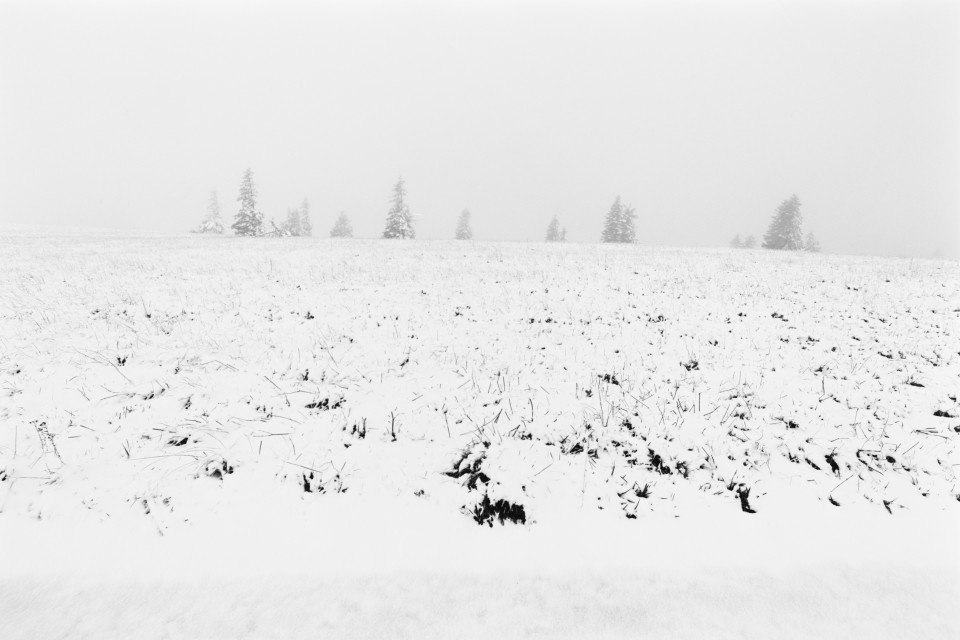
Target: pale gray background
{"x":704,"y":116}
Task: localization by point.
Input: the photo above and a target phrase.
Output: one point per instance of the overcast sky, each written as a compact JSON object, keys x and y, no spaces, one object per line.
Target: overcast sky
{"x":704,"y":116}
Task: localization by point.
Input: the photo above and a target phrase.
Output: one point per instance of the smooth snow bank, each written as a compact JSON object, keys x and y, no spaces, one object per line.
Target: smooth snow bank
{"x":341,"y":537}
{"x":841,"y":603}
{"x":400,"y":570}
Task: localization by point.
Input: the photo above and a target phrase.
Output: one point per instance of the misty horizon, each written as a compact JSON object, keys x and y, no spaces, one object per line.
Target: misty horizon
{"x":703,"y":117}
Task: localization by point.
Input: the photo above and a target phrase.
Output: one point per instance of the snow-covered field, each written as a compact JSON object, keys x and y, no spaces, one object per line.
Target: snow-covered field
{"x":219,"y":437}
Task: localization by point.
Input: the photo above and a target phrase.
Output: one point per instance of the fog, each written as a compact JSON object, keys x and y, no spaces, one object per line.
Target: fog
{"x":703,"y":116}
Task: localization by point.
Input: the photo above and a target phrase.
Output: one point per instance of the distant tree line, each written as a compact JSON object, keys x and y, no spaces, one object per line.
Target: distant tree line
{"x":785,"y":231}
{"x":747,"y":243}
{"x":399,"y":225}
{"x":249,"y":220}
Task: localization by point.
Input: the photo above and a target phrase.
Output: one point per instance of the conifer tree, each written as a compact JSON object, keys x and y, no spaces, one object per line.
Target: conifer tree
{"x":611,"y":225}
{"x":811,"y":243}
{"x":342,"y":228}
{"x":464,"y":231}
{"x":785,"y":231}
{"x":399,"y":219}
{"x":619,"y":223}
{"x":553,"y":231}
{"x":736,"y":243}
{"x":213,"y":223}
{"x":291,"y":226}
{"x":306,"y":227}
{"x":750,"y":242}
{"x":248,"y":221}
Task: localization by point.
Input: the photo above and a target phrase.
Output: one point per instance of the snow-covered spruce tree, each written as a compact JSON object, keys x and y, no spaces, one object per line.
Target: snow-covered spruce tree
{"x":464,"y":232}
{"x":342,"y":227}
{"x":785,"y":231}
{"x":736,"y":243}
{"x":563,"y":235}
{"x":399,"y":219}
{"x":750,"y":242}
{"x":213,"y":223}
{"x":248,"y":221}
{"x":292,"y":224}
{"x":612,"y":223}
{"x":619,"y":223}
{"x":553,"y":231}
{"x":811,"y":243}
{"x":306,"y":227}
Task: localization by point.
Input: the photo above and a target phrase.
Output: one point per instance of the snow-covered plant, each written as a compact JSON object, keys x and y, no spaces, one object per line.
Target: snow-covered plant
{"x":277,"y":230}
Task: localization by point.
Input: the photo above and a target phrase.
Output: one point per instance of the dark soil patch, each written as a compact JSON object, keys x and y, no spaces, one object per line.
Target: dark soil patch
{"x":487,"y":512}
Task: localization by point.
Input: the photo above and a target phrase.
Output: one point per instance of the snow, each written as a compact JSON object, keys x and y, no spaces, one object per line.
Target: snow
{"x":225,"y":437}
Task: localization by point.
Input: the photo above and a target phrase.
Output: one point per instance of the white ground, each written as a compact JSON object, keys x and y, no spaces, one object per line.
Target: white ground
{"x":163,"y":475}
